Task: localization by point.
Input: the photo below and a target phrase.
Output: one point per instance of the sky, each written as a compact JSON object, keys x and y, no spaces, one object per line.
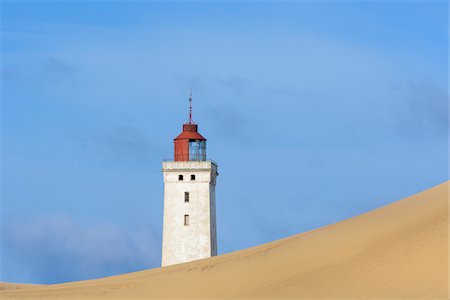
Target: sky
{"x":314,"y":111}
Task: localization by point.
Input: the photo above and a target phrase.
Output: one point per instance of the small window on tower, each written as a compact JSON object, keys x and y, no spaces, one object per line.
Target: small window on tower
{"x":186,"y":196}
{"x":180,"y":177}
{"x":186,"y":220}
{"x":192,"y":177}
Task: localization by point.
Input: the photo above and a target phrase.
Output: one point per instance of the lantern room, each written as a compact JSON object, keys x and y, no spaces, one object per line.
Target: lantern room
{"x":190,"y":145}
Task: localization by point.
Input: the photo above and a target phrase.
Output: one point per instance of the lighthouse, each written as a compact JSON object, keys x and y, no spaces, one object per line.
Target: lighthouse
{"x":189,"y":228}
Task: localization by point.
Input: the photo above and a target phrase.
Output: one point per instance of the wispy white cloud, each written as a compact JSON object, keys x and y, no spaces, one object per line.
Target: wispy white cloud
{"x":129,"y":143}
{"x":57,"y":248}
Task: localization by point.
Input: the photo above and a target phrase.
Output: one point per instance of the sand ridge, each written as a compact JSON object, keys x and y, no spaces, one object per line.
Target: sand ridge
{"x":399,"y":251}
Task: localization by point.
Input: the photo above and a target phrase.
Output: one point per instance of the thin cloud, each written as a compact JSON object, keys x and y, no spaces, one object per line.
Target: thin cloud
{"x":124,"y":142}
{"x":428,"y":103}
{"x":232,"y":82}
{"x":418,"y":108}
{"x":57,"y":248}
{"x":58,"y":66}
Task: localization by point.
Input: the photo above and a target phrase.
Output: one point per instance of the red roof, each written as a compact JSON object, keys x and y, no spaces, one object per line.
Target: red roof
{"x":190,"y":133}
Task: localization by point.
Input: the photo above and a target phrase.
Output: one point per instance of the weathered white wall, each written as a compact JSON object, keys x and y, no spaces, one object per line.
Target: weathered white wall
{"x":198,"y":240}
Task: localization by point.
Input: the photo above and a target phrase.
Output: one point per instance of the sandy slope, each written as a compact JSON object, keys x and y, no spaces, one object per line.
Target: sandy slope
{"x":396,"y":252}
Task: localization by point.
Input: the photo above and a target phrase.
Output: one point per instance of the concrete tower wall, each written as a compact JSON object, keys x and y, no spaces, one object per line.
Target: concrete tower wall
{"x":197,"y":240}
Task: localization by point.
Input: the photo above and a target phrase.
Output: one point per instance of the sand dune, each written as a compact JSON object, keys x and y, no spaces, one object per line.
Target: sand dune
{"x":395,"y":252}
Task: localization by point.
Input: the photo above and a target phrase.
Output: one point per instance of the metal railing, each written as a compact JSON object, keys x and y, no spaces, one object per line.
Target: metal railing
{"x":206,"y":159}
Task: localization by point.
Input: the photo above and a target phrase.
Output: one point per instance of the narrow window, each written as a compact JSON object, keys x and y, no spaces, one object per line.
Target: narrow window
{"x":192,"y":177}
{"x":186,"y":196}
{"x":186,"y":220}
{"x":180,"y":177}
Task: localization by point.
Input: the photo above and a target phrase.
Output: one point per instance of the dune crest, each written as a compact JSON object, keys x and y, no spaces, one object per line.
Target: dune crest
{"x":395,"y":252}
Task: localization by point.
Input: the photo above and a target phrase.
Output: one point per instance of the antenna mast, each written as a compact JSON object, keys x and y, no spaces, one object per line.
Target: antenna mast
{"x":190,"y":107}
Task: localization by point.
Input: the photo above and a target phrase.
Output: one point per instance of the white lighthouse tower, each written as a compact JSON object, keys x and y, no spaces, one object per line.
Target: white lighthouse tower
{"x":189,"y":229}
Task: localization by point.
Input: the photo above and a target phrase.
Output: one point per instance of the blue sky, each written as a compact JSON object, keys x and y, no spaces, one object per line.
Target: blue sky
{"x":314,"y":111}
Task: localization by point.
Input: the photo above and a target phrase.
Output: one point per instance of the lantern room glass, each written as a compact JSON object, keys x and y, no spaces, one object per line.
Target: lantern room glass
{"x":197,"y":150}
